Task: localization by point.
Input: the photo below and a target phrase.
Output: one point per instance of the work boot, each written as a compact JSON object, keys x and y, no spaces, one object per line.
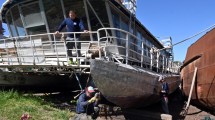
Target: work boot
{"x":77,"y":62}
{"x":95,"y":114}
{"x":70,"y":61}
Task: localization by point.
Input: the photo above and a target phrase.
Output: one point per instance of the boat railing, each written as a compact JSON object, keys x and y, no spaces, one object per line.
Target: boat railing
{"x":47,"y":50}
{"x":127,"y":48}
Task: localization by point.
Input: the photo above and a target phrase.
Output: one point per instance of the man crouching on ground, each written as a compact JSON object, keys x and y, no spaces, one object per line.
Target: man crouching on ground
{"x":87,"y":105}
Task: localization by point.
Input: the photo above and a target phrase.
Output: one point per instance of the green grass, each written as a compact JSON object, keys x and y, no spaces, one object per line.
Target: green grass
{"x":14,"y":104}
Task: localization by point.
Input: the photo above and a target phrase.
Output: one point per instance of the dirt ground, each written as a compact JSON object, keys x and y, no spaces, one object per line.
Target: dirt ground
{"x":195,"y":113}
{"x":153,"y":112}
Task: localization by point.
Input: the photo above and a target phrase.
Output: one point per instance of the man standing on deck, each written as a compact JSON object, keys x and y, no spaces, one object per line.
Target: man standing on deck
{"x":87,"y":104}
{"x":73,"y":24}
{"x":164,"y":94}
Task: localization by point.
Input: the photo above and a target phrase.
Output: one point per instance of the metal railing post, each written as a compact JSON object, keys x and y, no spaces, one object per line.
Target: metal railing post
{"x":7,"y":52}
{"x":127,"y":47}
{"x":56,"y":50}
{"x":32,"y":50}
{"x":65,"y":48}
{"x":15,"y":46}
{"x":98,"y":35}
{"x":76,"y":47}
{"x":191,"y":89}
{"x":163,"y":62}
{"x":167,"y":65}
{"x":142,"y":53}
{"x":151,"y":60}
{"x":158,"y":56}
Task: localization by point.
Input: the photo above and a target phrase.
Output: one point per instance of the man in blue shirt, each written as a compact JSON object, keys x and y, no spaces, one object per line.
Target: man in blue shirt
{"x":87,"y":104}
{"x":72,"y":24}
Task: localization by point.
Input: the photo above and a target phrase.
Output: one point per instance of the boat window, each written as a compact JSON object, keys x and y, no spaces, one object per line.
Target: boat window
{"x":17,"y":21}
{"x":124,"y":26}
{"x":36,"y":30}
{"x":54,"y":13}
{"x":100,"y":10}
{"x":116,"y":23}
{"x":149,"y":54}
{"x":11,"y":25}
{"x":32,"y":15}
{"x":145,"y":50}
{"x":133,"y":42}
{"x":1,"y":30}
{"x":139,"y":42}
{"x":33,"y":20}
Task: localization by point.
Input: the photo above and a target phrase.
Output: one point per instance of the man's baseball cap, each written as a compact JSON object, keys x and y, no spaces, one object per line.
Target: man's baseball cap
{"x":90,"y":89}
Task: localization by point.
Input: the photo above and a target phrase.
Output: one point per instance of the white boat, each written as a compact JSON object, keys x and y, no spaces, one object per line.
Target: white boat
{"x":119,"y":53}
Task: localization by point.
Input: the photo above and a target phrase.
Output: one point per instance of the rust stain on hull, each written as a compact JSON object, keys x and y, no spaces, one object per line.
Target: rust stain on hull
{"x":201,"y":54}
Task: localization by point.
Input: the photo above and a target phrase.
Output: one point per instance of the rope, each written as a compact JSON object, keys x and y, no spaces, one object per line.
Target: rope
{"x":195,"y":35}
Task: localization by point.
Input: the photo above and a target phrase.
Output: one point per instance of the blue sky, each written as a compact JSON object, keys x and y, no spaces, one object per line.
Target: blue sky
{"x":178,"y":19}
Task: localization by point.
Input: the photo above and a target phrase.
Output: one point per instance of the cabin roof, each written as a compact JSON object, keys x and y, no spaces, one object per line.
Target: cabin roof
{"x":5,"y":6}
{"x":8,"y":3}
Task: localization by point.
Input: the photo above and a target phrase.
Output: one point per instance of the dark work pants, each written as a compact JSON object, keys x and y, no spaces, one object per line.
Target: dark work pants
{"x":72,"y":43}
{"x":164,"y":103}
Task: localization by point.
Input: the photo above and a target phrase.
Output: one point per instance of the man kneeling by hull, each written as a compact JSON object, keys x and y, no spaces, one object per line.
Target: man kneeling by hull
{"x":87,"y":105}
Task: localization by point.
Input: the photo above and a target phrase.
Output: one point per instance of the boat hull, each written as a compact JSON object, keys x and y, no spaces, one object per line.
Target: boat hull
{"x":201,"y":55}
{"x":38,"y":81}
{"x":127,"y":86}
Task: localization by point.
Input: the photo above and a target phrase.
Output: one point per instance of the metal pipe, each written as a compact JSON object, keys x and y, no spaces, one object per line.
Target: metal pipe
{"x":191,"y":89}
{"x":158,"y":55}
{"x":88,"y":18}
{"x":56,"y":50}
{"x":127,"y":48}
{"x":33,"y":51}
{"x":78,"y":80}
{"x":151,"y":60}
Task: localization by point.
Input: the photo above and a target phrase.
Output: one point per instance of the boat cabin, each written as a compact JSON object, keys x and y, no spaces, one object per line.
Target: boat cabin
{"x":113,"y":30}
